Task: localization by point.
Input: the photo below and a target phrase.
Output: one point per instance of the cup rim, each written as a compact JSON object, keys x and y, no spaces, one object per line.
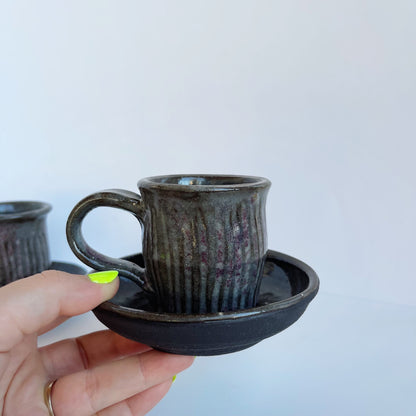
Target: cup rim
{"x":224,"y":182}
{"x":23,"y":210}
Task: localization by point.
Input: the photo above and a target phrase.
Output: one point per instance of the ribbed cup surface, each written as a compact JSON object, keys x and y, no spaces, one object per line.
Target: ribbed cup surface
{"x":23,"y":249}
{"x":205,"y":253}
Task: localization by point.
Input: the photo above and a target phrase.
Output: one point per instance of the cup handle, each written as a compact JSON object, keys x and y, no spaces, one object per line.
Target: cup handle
{"x":116,"y":198}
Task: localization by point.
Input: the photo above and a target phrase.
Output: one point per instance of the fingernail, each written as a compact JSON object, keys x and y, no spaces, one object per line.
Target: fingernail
{"x":173,"y":378}
{"x":103,"y":277}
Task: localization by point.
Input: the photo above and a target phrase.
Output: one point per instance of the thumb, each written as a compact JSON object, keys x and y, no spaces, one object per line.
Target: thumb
{"x":30,"y":304}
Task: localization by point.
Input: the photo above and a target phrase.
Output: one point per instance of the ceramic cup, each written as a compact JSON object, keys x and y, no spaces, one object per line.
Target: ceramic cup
{"x":204,"y":239}
{"x":24,"y":246}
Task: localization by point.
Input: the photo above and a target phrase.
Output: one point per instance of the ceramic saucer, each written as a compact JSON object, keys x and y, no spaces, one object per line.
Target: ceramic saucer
{"x":67,"y":267}
{"x":288,"y":285}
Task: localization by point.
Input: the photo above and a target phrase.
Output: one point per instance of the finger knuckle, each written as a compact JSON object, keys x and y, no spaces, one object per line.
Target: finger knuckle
{"x":92,"y":389}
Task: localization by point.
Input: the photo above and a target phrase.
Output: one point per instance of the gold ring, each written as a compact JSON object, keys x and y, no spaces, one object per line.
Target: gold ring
{"x":48,"y":397}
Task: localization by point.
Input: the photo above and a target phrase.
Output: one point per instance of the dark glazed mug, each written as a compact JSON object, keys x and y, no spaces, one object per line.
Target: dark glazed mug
{"x":24,"y":246}
{"x":204,"y":239}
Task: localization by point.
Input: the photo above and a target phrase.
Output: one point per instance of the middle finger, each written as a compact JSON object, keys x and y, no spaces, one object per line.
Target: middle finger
{"x":76,"y":354}
{"x":87,"y":392}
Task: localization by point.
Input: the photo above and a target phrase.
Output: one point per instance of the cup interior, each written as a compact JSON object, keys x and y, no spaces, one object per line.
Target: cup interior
{"x":206,"y":180}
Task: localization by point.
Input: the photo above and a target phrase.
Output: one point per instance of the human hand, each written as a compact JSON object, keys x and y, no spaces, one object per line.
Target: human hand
{"x":97,"y":374}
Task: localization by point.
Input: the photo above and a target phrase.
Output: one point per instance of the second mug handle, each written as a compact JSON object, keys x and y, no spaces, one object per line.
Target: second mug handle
{"x":117,"y":198}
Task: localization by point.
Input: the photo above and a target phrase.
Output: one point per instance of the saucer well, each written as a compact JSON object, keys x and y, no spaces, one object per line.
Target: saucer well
{"x":67,"y":267}
{"x":287,"y":287}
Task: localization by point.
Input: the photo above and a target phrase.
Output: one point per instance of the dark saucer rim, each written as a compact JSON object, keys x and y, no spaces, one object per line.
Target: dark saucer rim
{"x":63,"y":267}
{"x":303,"y":297}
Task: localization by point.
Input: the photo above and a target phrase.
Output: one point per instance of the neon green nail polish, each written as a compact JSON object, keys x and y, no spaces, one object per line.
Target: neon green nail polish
{"x":103,"y":277}
{"x":173,"y":378}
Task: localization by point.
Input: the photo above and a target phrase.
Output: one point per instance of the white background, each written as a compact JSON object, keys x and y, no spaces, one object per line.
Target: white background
{"x":318,"y":96}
